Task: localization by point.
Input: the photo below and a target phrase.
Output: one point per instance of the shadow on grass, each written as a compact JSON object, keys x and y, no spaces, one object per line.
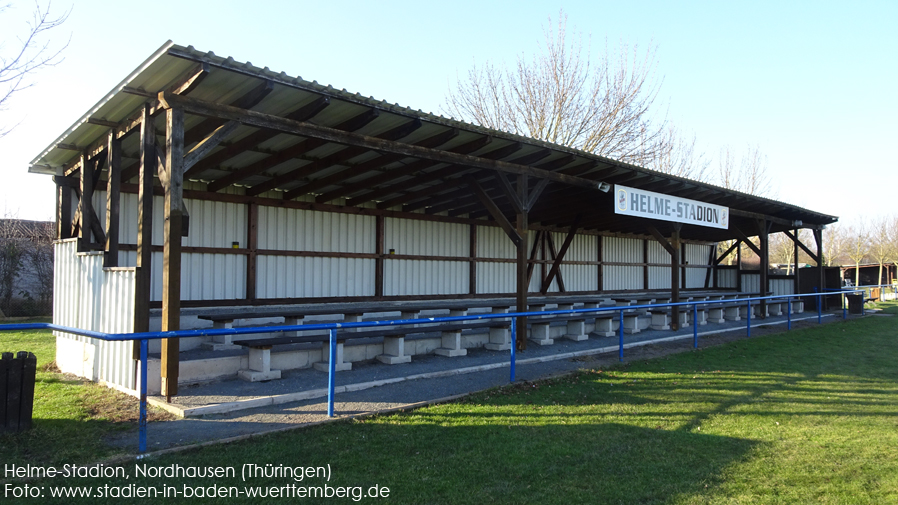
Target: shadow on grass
{"x":496,"y":463}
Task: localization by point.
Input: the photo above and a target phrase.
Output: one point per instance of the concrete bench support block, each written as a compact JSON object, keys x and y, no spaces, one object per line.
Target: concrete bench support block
{"x":394,"y":351}
{"x":323,"y":366}
{"x":715,"y":315}
{"x":500,"y":339}
{"x":259,"y":366}
{"x":451,"y":341}
{"x":221,"y":342}
{"x":576,"y":330}
{"x":732,"y":312}
{"x":539,"y":334}
{"x":604,"y":327}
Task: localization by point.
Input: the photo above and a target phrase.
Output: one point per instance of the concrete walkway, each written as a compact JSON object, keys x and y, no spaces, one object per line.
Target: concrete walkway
{"x":232,"y":408}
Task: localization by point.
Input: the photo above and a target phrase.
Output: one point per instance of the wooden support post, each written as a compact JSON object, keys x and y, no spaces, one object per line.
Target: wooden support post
{"x":522,"y":285}
{"x":143,"y":277}
{"x":645,"y":264}
{"x":764,"y":236}
{"x":739,"y":266}
{"x":796,"y":285}
{"x":821,"y":277}
{"x":379,"y":250}
{"x":87,"y":193}
{"x":472,"y":265}
{"x":63,"y":207}
{"x":252,"y":246}
{"x":675,"y":273}
{"x":171,"y":260}
{"x":683,"y":266}
{"x":113,"y":199}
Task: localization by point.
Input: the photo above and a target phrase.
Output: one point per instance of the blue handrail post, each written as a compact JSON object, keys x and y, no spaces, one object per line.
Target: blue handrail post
{"x":331,"y":372}
{"x":788,"y":313}
{"x":621,"y":350}
{"x":142,"y":424}
{"x":514,"y":343}
{"x":748,"y":321}
{"x":695,"y":325}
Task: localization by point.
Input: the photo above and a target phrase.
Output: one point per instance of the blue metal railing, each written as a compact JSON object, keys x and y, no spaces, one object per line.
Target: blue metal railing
{"x":332,"y":328}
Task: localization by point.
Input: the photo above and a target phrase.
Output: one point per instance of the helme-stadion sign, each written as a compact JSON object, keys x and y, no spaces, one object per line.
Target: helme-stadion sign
{"x":640,"y":203}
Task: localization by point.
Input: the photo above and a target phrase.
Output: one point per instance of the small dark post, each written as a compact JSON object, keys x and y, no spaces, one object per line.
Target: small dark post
{"x":821,"y":278}
{"x":645,"y":264}
{"x":795,"y":275}
{"x":763,"y":235}
{"x":600,"y":283}
{"x":472,"y":265}
{"x":113,"y":199}
{"x":252,"y":246}
{"x":17,"y":377}
{"x":379,"y":251}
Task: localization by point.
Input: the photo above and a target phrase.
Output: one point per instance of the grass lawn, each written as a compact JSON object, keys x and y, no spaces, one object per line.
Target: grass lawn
{"x":72,"y":416}
{"x":809,"y":416}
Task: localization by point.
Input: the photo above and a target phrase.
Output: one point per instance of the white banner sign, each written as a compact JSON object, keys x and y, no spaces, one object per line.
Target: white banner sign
{"x":640,"y":203}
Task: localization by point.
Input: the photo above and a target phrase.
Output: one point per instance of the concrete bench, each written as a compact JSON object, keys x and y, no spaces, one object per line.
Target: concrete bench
{"x":394,"y":343}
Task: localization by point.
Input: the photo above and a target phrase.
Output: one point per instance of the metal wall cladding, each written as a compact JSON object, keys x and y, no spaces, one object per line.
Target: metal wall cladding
{"x":659,"y":277}
{"x":696,"y":254}
{"x":492,"y":242}
{"x":617,"y":249}
{"x":782,"y":286}
{"x":203,"y":276}
{"x":726,"y":278}
{"x":307,"y":230}
{"x":299,"y":277}
{"x":425,"y":277}
{"x":751,"y":283}
{"x":89,"y":297}
{"x":427,"y":238}
{"x":212,"y":224}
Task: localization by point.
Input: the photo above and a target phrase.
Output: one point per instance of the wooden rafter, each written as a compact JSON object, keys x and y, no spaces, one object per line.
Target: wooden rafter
{"x":326,"y":134}
{"x":556,"y":264}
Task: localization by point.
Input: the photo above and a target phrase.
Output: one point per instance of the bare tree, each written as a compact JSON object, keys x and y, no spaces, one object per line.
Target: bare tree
{"x":881,"y":242}
{"x":782,"y":250}
{"x":681,"y":159}
{"x":857,"y":246}
{"x":39,"y":253}
{"x":836,"y":245}
{"x":603,"y":106}
{"x":27,"y":54}
{"x":11,"y":259}
{"x":750,"y":175}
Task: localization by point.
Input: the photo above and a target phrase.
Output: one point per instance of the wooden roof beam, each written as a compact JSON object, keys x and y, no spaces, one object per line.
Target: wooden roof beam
{"x":415,"y":167}
{"x":287,"y":154}
{"x":381,"y":162}
{"x":327,"y":134}
{"x":253,"y":140}
{"x":397,"y":133}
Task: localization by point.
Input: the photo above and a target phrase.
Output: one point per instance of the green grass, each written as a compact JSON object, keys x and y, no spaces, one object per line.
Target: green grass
{"x":809,"y":416}
{"x":71,"y":418}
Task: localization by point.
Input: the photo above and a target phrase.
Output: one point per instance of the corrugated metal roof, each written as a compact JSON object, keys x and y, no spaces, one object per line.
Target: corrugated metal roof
{"x":287,"y":163}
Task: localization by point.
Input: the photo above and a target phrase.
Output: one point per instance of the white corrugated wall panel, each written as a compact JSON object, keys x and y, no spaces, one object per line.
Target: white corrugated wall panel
{"x":496,"y":277}
{"x":782,"y":286}
{"x":407,"y":236}
{"x":212,"y":276}
{"x":299,"y":277}
{"x":659,"y":277}
{"x":577,"y":277}
{"x":66,"y":284}
{"x":617,"y":249}
{"x":751,"y":283}
{"x":492,"y":242}
{"x":306,"y":230}
{"x":726,"y":278}
{"x":115,"y":363}
{"x":424,"y":277}
{"x":696,"y":254}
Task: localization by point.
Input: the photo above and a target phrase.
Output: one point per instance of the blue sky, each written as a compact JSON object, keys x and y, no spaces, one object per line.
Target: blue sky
{"x":812,"y":84}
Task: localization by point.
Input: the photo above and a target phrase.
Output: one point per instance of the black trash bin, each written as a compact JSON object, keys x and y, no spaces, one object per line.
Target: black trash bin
{"x":16,"y":391}
{"x":855,"y":303}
